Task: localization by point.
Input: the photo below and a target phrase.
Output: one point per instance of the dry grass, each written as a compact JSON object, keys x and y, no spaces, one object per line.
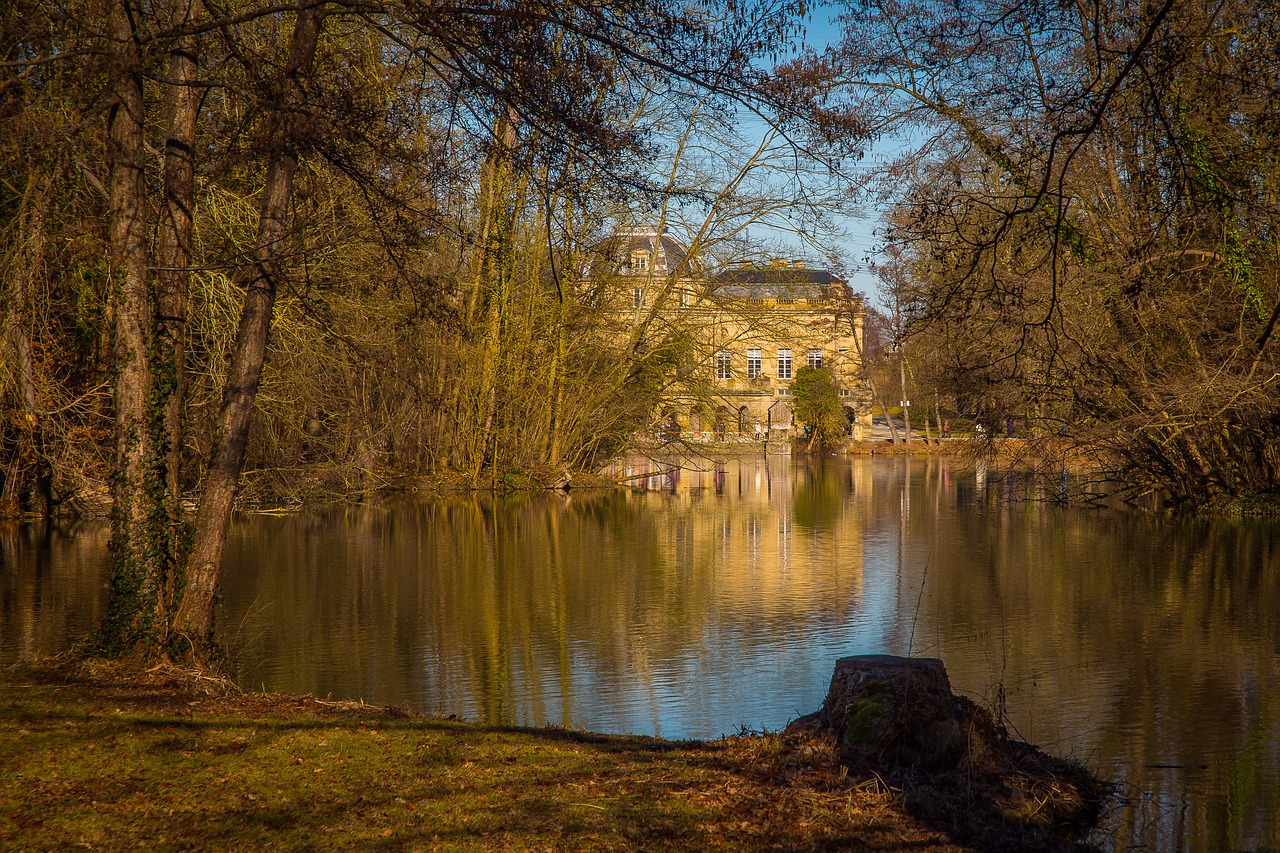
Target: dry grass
{"x":99,"y":756}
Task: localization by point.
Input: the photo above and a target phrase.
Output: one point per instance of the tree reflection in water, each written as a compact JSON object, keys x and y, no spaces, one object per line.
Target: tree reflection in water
{"x":694,"y":603}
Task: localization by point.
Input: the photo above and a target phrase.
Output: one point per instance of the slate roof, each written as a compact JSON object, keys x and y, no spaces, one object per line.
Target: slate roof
{"x":775,"y":282}
{"x":780,"y":280}
{"x":666,"y":252}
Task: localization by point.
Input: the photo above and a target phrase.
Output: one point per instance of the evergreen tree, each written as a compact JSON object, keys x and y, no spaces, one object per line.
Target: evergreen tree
{"x":818,"y":405}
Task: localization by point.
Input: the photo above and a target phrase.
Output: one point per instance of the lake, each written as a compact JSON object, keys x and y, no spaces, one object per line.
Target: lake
{"x":714,"y":599}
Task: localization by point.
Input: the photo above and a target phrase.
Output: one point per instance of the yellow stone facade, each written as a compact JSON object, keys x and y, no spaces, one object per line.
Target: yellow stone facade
{"x":757,"y":324}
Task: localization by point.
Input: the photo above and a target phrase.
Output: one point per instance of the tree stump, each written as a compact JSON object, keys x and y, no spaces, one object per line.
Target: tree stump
{"x":893,"y":710}
{"x":897,"y":719}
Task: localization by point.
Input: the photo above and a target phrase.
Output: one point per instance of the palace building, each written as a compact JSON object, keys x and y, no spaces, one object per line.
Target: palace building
{"x":756,"y":324}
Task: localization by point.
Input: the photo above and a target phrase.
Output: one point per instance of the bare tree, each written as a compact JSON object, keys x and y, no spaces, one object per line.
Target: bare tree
{"x":1088,"y":223}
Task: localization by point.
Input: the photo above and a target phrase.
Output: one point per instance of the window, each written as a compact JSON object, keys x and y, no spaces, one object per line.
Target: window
{"x":686,"y":299}
{"x":784,"y":364}
{"x":637,"y":297}
{"x":723,"y":362}
{"x":640,"y":261}
{"x":784,"y":392}
{"x":815,"y":359}
{"x":844,"y":392}
{"x":755,"y":364}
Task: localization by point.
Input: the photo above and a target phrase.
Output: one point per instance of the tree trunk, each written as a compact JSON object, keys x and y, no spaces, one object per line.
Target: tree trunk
{"x":195,"y":617}
{"x":495,"y":261}
{"x":142,"y":580}
{"x":557,"y":390}
{"x":173,"y":276}
{"x":906,"y":409}
{"x":866,"y":375}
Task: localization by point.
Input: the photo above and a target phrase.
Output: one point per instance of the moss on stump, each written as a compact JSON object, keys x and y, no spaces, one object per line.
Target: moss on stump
{"x":959,"y":770}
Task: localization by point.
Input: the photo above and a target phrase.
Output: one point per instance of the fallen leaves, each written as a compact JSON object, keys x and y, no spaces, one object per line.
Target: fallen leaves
{"x":482,"y":789}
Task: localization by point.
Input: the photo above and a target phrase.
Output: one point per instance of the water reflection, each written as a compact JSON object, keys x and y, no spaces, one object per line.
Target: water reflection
{"x":721,"y":594}
{"x":52,"y":590}
{"x":672,"y":612}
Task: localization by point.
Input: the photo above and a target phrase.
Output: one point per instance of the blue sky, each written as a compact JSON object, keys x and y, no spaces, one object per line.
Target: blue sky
{"x":860,"y":241}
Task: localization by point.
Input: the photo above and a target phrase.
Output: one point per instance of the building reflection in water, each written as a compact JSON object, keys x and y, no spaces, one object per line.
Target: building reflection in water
{"x":722,"y":594}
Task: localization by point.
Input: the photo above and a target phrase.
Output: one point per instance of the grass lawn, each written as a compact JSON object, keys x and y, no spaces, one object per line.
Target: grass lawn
{"x":96,"y":756}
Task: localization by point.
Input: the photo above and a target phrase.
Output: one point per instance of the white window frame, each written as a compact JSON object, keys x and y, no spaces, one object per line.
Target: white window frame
{"x":815,"y":359}
{"x":637,"y":297}
{"x":640,"y":261}
{"x":755,"y":363}
{"x":724,"y":364}
{"x":784,"y":364}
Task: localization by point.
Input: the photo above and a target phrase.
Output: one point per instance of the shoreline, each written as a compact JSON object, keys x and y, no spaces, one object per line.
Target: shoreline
{"x":277,"y":489}
{"x":105,"y":755}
